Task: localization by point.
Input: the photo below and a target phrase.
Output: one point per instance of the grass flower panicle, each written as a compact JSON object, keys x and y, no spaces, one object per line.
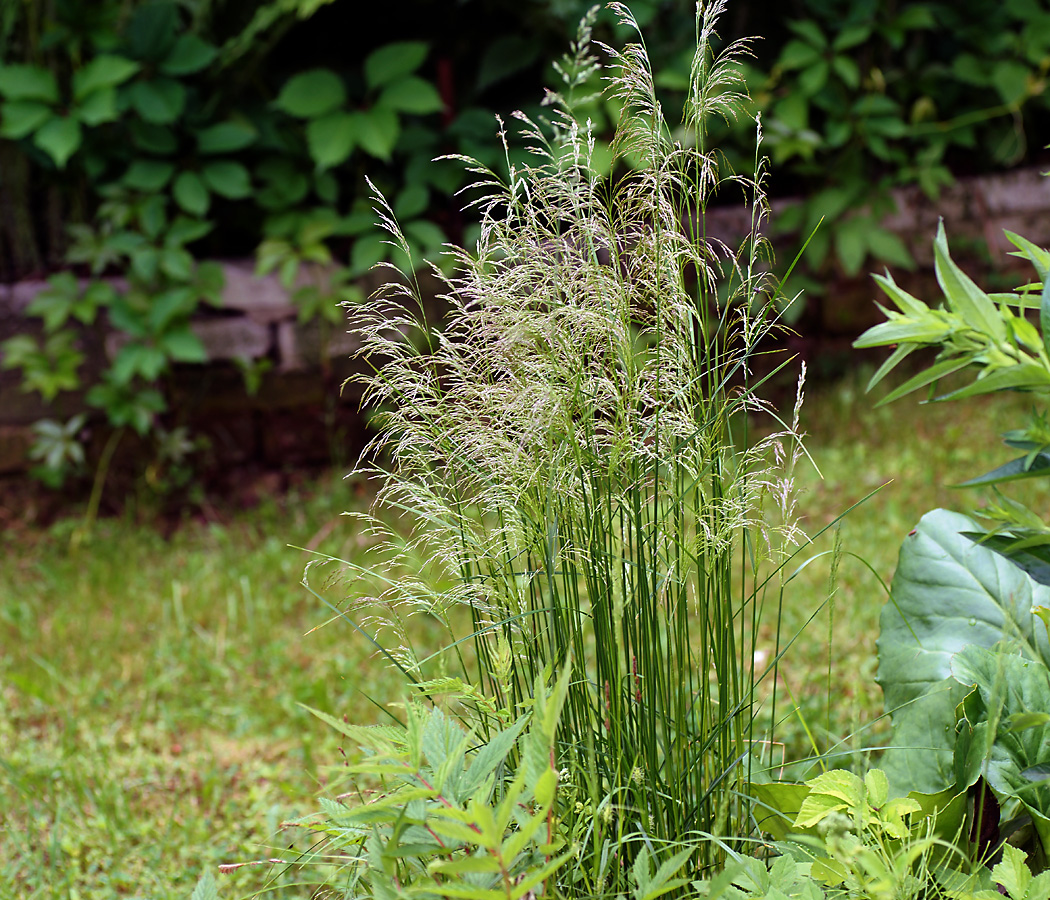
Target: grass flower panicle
{"x":574,"y":456}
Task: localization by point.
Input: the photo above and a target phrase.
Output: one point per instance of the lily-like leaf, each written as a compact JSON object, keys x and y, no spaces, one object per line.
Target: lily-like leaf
{"x":1032,"y":559}
{"x":1022,"y":467}
{"x":963,"y":295}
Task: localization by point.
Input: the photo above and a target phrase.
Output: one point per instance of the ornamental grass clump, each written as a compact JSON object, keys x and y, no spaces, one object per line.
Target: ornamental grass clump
{"x":572,"y":453}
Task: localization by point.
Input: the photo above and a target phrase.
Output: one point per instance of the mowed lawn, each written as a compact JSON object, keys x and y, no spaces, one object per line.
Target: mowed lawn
{"x":152,"y":690}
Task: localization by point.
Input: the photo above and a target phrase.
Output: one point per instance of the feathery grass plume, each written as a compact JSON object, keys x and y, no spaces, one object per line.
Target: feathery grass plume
{"x":572,"y":453}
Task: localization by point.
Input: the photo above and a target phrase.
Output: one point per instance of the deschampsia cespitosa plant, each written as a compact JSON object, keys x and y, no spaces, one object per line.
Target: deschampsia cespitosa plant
{"x":571,"y":450}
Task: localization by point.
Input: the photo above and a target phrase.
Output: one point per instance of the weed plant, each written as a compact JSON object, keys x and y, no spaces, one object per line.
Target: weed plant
{"x":571,"y":454}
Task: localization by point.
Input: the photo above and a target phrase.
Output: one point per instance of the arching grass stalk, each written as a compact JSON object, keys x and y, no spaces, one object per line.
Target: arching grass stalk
{"x":572,"y":452}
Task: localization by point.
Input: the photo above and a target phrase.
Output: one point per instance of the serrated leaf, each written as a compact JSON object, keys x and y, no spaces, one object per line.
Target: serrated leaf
{"x":503,"y":57}
{"x":177,"y":263}
{"x":842,"y":786}
{"x":887,"y":247}
{"x":491,"y":755}
{"x":25,"y":82}
{"x":98,"y":107}
{"x":190,"y":54}
{"x":393,"y":61}
{"x":148,"y":175}
{"x":411,"y":95}
{"x":191,"y":194}
{"x":227,"y":179}
{"x":331,"y":138}
{"x":1010,"y":79}
{"x":376,"y":131}
{"x":206,"y":888}
{"x":59,"y":138}
{"x":226,"y":137}
{"x":798,"y":55}
{"x":160,"y":100}
{"x":102,"y":72}
{"x":383,"y":739}
{"x":151,"y":32}
{"x":851,"y":243}
{"x":185,"y":231}
{"x":311,"y":94}
{"x":850,"y":36}
{"x":410,"y":202}
{"x":156,"y":139}
{"x":19,"y":119}
{"x":183,"y":345}
{"x":662,"y":881}
{"x":170,"y":305}
{"x":138,"y":360}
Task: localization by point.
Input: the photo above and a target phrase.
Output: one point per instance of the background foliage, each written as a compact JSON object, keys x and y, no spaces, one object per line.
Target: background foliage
{"x":138,"y":137}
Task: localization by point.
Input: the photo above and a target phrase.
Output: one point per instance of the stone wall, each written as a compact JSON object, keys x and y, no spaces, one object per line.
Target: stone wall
{"x":298,"y":411}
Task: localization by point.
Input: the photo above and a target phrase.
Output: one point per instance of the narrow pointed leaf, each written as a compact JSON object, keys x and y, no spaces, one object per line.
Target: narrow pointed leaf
{"x":891,"y":362}
{"x":1034,"y":561}
{"x":1023,"y":376}
{"x":1044,"y":315}
{"x":963,"y":295}
{"x":934,"y":373}
{"x":1014,"y":470}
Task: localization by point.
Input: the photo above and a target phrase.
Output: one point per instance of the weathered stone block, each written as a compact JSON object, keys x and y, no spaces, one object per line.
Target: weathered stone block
{"x":263,"y":300}
{"x":233,"y":338}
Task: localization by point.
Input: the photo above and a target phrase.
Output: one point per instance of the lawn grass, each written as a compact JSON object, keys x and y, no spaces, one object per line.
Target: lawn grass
{"x":150,"y":724}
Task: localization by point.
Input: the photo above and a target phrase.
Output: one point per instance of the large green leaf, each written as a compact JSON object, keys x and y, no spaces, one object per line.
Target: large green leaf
{"x":1014,"y":759}
{"x":948,"y":592}
{"x":778,"y":804}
